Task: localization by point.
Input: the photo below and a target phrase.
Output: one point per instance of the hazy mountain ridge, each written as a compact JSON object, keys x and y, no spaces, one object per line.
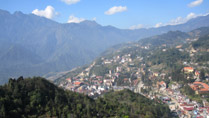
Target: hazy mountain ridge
{"x":48,"y":46}
{"x":150,"y":50}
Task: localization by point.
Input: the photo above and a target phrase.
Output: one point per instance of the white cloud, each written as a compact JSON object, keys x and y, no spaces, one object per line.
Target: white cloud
{"x":139,"y":26}
{"x":115,"y":9}
{"x":191,"y":15}
{"x":49,"y":12}
{"x":195,"y":3}
{"x":179,"y":20}
{"x":69,"y":2}
{"x":94,"y":19}
{"x":158,"y":25}
{"x":73,"y":19}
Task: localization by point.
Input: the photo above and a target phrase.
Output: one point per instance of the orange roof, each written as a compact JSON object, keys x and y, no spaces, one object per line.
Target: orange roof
{"x":204,"y":89}
{"x":203,"y":84}
{"x":68,"y":79}
{"x":162,"y":82}
{"x":188,"y":68}
{"x":193,"y":87}
{"x":77,"y":83}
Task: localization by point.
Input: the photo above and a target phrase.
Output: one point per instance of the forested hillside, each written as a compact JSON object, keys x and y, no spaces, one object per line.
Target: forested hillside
{"x":37,"y":97}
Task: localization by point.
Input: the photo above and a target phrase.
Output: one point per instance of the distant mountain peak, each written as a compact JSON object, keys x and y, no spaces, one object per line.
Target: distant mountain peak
{"x":18,"y":13}
{"x":90,"y":23}
{"x":4,"y":12}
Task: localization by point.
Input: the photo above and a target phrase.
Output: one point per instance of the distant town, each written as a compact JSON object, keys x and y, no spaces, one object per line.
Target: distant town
{"x":181,"y":105}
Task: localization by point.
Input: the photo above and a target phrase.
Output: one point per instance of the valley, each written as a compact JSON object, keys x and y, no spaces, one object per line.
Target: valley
{"x":164,"y":67}
{"x":31,"y":45}
{"x":104,"y":59}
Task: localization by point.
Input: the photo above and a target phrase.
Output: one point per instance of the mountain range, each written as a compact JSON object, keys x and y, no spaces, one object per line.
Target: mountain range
{"x":33,"y":46}
{"x":166,"y":50}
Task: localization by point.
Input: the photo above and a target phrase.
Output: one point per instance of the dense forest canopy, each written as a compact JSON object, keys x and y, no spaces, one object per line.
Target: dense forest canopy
{"x":37,"y":97}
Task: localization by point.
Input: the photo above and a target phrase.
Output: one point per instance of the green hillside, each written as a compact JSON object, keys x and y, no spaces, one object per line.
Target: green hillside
{"x":37,"y":97}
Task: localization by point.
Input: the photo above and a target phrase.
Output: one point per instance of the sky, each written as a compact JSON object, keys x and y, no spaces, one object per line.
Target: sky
{"x":124,"y":14}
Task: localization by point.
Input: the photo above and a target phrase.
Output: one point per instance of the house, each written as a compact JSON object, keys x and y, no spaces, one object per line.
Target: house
{"x":69,"y":80}
{"x":189,"y":108}
{"x":155,"y":74}
{"x":108,"y":82}
{"x":193,"y":50}
{"x":135,"y":82}
{"x":178,"y":46}
{"x":99,"y":77}
{"x":200,"y":87}
{"x":77,"y":83}
{"x":163,"y":75}
{"x":197,"y":74}
{"x":161,"y":85}
{"x":188,"y":69}
{"x":118,"y":69}
{"x":175,"y":86}
{"x":125,"y":80}
{"x":166,"y":99}
{"x":107,"y":62}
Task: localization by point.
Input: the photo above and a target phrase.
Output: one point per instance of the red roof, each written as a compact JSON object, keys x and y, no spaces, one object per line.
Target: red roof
{"x":188,"y":108}
{"x":99,"y":77}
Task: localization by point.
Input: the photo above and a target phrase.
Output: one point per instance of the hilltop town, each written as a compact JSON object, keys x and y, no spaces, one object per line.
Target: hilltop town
{"x":175,"y":74}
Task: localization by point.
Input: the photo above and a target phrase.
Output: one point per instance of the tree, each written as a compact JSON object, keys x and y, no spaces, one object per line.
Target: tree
{"x":188,"y":90}
{"x":2,"y":112}
{"x":202,"y":75}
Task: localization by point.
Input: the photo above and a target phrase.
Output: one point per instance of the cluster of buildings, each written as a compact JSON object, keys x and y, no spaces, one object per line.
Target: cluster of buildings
{"x":89,"y":83}
{"x":94,"y":85}
{"x":184,"y":106}
{"x":179,"y":103}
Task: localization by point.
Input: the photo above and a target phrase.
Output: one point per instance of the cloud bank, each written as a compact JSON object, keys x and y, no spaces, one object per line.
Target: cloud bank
{"x":49,"y":12}
{"x":180,"y":20}
{"x":116,"y":9}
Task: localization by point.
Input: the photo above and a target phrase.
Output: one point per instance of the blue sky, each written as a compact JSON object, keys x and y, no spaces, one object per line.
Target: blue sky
{"x":119,"y":13}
